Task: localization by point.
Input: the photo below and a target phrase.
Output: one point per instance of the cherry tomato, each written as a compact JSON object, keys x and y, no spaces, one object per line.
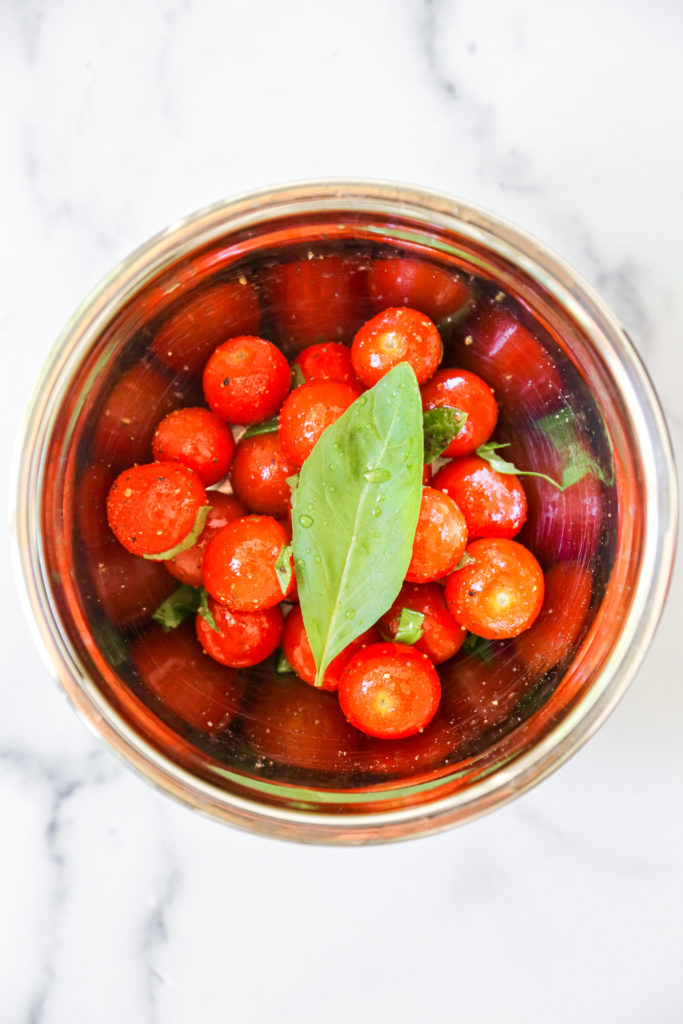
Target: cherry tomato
{"x":469,"y":393}
{"x":197,"y":438}
{"x":397,"y":335}
{"x":442,"y":636}
{"x":239,"y":564}
{"x":187,"y":338}
{"x":129,"y":416}
{"x":244,"y":638}
{"x":493,"y":504}
{"x":187,"y":566}
{"x":405,"y":281}
{"x":308,"y":411}
{"x":426,"y":475}
{"x":568,"y":590}
{"x":314,"y":300}
{"x":500,"y":592}
{"x":297,"y":651}
{"x":389,"y":690}
{"x":440,"y":537}
{"x":197,"y":689}
{"x":152,"y":508}
{"x":289,"y":722}
{"x":505,"y":353}
{"x":259,"y":475}
{"x":330,"y":360}
{"x":246,"y":380}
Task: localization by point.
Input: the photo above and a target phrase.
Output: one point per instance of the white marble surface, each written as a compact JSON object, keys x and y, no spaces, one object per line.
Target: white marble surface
{"x":117,"y":905}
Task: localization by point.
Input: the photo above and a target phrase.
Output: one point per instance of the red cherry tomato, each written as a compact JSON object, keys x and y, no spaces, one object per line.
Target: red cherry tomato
{"x":308,"y":411}
{"x":197,"y":689}
{"x":187,"y":338}
{"x":398,"y":335}
{"x":469,"y":393}
{"x":239,"y":564}
{"x":246,"y":380}
{"x":440,"y":538}
{"x":505,"y":353}
{"x":500,"y":592}
{"x":244,"y":638}
{"x":568,"y":590}
{"x":330,"y":360}
{"x":314,"y":300}
{"x":289,"y":722}
{"x":442,"y":636}
{"x":187,"y":566}
{"x":129,"y":416}
{"x":197,"y":438}
{"x":493,"y":504}
{"x":259,"y":475}
{"x":152,"y":508}
{"x":389,"y":690}
{"x":297,"y":651}
{"x":424,"y":286}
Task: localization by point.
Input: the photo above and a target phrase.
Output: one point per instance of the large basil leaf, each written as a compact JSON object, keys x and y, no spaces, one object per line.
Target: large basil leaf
{"x":355,"y":512}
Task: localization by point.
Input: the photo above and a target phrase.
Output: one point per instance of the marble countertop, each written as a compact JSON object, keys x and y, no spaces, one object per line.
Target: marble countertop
{"x":118,"y":905}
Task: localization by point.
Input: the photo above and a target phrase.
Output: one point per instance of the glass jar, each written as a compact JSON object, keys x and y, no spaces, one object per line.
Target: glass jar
{"x":621,"y":532}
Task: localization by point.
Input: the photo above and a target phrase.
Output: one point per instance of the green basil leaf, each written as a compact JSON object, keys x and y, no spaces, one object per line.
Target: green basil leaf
{"x":577,"y":459}
{"x":282,"y":666}
{"x":465,"y":560}
{"x":409,"y":626}
{"x":355,"y":514}
{"x":186,"y":542}
{"x":206,"y":614}
{"x":489,"y":452}
{"x":478,"y":647}
{"x":283,"y":567}
{"x":267,"y":427}
{"x":293,"y":483}
{"x":182,"y":603}
{"x":297,"y":376}
{"x":440,"y":427}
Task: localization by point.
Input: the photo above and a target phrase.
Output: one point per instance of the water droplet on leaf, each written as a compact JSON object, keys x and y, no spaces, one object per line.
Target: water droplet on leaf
{"x":377,"y":475}
{"x":306,"y":521}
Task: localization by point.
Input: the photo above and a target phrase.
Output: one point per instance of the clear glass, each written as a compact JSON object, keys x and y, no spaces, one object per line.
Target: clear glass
{"x":608,"y":405}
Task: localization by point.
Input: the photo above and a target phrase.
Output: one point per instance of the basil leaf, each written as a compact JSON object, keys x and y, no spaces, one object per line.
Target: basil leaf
{"x":267,"y":427}
{"x":206,"y":614}
{"x":440,"y":427}
{"x":282,"y":666}
{"x":283,"y":567}
{"x":577,"y":460}
{"x":182,"y":603}
{"x":297,"y":376}
{"x":186,"y":542}
{"x":478,"y":647}
{"x":488,"y":452}
{"x":355,"y":514}
{"x":293,"y":483}
{"x":409,"y":626}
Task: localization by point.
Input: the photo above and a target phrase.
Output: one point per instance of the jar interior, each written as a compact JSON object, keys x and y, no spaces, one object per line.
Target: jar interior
{"x":295,"y":280}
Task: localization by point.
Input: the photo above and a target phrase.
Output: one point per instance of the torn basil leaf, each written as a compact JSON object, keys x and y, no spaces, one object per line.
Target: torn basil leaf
{"x":183,"y":602}
{"x":440,"y":427}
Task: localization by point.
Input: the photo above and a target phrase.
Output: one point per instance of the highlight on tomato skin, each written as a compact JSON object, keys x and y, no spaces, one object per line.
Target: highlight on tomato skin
{"x":389,"y":690}
{"x":442,"y":637}
{"x":308,"y":411}
{"x":318,"y":298}
{"x":499,"y":593}
{"x":297,"y":651}
{"x":172,"y":666}
{"x":197,"y":438}
{"x":243,"y":639}
{"x":552,"y":637}
{"x":440,"y":538}
{"x":396,"y":335}
{"x":463,"y":390}
{"x":259,"y":475}
{"x":187,"y":566}
{"x":494,"y":504}
{"x":188,"y":336}
{"x":406,"y":281}
{"x":289,"y":722}
{"x":129,"y":416}
{"x":239,"y":564}
{"x":152,"y":508}
{"x":246,"y":380}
